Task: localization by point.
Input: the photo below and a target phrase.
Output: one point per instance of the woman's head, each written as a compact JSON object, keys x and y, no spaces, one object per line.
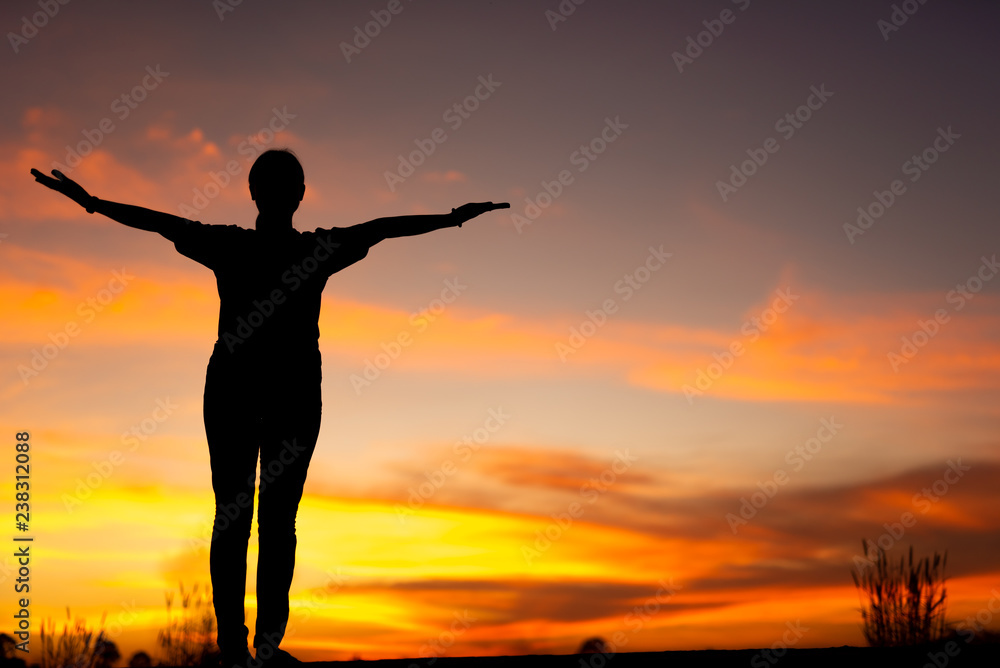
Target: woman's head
{"x":277,"y":182}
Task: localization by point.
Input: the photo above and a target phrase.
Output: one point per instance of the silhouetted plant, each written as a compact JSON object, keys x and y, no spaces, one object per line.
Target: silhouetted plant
{"x":8,"y":653}
{"x":76,"y":647}
{"x":140,"y":660}
{"x":106,"y":652}
{"x":189,"y":637}
{"x":595,"y":645}
{"x":905,"y":599}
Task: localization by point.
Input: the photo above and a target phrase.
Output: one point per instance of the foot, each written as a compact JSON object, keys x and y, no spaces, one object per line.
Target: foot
{"x":276,"y":658}
{"x":237,"y":659}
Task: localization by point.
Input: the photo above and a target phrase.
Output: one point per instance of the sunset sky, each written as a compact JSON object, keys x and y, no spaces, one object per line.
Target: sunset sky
{"x":743,"y":311}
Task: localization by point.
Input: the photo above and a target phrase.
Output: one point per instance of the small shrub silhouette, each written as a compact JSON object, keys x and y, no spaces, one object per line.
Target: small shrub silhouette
{"x":904,"y":602}
{"x":595,"y":645}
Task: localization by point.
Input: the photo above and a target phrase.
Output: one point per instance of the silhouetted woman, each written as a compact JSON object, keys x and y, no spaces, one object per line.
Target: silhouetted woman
{"x":262,"y":390}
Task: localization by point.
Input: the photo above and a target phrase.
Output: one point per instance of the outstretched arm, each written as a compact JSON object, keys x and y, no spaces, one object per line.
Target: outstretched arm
{"x":126,"y":214}
{"x":404,"y":226}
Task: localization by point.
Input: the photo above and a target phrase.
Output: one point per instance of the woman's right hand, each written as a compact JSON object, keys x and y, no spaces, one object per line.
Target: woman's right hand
{"x":467,"y":212}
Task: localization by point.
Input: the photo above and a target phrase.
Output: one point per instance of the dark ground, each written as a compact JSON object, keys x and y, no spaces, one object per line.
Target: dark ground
{"x":937,"y":656}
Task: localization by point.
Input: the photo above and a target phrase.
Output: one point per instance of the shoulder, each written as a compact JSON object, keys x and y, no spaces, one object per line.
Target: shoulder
{"x":334,"y":247}
{"x":338,"y":232}
{"x":231,"y":230}
{"x":193,"y":230}
{"x":207,"y":243}
{"x":331,"y":237}
{"x":355,"y":236}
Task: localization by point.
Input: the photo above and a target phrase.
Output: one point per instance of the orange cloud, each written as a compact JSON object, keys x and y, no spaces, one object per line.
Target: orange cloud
{"x":821,"y":348}
{"x":838,"y":348}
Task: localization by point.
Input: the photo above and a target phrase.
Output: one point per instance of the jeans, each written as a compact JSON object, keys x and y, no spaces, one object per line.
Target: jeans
{"x":259,"y":405}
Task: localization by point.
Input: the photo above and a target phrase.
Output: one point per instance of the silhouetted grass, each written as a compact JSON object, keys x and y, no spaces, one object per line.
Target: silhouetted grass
{"x":78,"y":646}
{"x":905,"y":599}
{"x":189,"y":637}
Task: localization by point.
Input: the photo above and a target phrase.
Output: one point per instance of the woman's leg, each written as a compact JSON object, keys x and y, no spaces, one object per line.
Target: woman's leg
{"x":231,"y":429}
{"x":288,"y":439}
